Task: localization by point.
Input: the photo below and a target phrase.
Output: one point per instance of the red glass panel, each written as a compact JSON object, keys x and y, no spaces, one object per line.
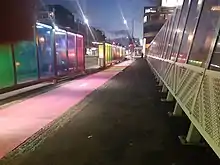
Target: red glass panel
{"x":80,"y":52}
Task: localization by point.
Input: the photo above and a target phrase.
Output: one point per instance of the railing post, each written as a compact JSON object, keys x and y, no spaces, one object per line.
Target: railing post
{"x":193,"y":135}
{"x":169,"y":97}
{"x":178,"y":111}
{"x":160,"y":83}
{"x":164,"y":89}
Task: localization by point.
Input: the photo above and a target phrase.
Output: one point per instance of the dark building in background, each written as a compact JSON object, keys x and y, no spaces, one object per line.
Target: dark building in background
{"x":154,"y":19}
{"x":62,"y":16}
{"x":64,"y":19}
{"x":57,"y":14}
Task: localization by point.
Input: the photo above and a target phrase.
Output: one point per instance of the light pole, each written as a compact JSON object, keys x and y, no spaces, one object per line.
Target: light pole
{"x":132,"y":28}
{"x":131,"y":36}
{"x":86,"y":21}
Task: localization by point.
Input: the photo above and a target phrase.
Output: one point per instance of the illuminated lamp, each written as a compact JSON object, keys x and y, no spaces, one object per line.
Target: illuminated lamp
{"x":215,"y":8}
{"x":42,"y":39}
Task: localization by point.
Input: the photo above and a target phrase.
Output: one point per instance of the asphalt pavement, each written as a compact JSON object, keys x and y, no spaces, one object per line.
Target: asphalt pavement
{"x":122,"y":123}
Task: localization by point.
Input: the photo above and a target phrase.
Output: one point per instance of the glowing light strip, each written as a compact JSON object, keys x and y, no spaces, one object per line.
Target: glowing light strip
{"x":59,"y":32}
{"x":78,"y":35}
{"x":217,"y":66}
{"x":39,"y":27}
{"x":96,"y":43}
{"x":44,"y":25}
{"x":70,"y":33}
{"x":58,"y":29}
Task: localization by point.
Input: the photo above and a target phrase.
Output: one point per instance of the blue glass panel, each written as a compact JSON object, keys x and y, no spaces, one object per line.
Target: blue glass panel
{"x":45,"y":50}
{"x":61,"y":52}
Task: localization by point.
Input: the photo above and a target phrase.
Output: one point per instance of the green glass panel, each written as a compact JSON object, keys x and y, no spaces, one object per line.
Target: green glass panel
{"x":101,"y":51}
{"x":26,"y":61}
{"x":111,"y":53}
{"x":106,"y":53}
{"x":109,"y":49}
{"x":6,"y":67}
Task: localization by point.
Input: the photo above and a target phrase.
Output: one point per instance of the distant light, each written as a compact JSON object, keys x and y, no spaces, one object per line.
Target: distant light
{"x":190,"y":37}
{"x":178,"y":31}
{"x":150,"y":10}
{"x":217,"y":66}
{"x":52,"y":14}
{"x":125,"y":21}
{"x":215,"y":8}
{"x":96,"y":43}
{"x":86,"y":21}
{"x":41,"y":39}
{"x":200,"y":2}
{"x":172,"y":3}
{"x":17,"y":64}
{"x":56,"y":27}
{"x":93,"y":48}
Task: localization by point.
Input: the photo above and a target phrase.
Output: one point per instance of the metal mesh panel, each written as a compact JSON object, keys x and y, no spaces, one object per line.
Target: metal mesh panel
{"x":216,"y":108}
{"x":167,"y":74}
{"x":198,"y":94}
{"x":175,"y":78}
{"x":192,"y":87}
{"x":189,"y":104}
{"x":197,"y":111}
{"x":207,"y":106}
{"x":184,"y":82}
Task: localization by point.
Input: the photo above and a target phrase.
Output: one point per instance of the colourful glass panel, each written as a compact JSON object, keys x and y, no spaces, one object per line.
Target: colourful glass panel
{"x":80,"y":52}
{"x":71,"y":38}
{"x":114,"y":53}
{"x":61,"y":52}
{"x":106,"y":54}
{"x":6,"y":67}
{"x":111,"y":53}
{"x":109,"y":58}
{"x":101,"y":51}
{"x":45,"y":47}
{"x":26,"y":61}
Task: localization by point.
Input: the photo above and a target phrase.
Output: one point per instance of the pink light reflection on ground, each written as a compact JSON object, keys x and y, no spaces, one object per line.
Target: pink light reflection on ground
{"x":20,"y":121}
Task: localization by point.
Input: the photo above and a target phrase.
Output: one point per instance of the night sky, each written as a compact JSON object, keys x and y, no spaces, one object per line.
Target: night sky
{"x":106,"y":15}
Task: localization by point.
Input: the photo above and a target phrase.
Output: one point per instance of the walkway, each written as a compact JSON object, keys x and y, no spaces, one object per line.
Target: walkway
{"x":121,"y":123}
{"x":20,"y":121}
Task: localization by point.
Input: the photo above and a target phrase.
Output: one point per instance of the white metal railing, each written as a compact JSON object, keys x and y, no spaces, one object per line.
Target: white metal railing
{"x":195,"y":89}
